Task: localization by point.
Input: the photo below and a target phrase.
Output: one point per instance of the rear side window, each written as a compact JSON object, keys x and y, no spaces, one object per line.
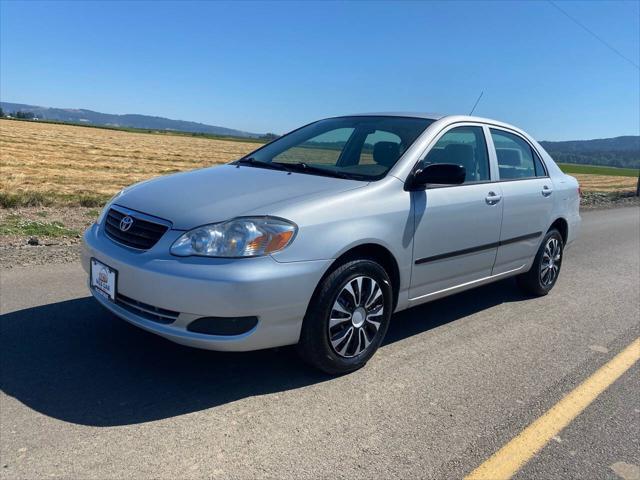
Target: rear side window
{"x":540,"y":171}
{"x":465,"y":146}
{"x":516,"y":159}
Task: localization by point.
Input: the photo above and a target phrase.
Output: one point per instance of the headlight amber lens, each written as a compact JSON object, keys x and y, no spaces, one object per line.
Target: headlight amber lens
{"x":240,"y":237}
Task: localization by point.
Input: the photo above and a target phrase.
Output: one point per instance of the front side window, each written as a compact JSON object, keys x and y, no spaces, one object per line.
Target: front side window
{"x":360,"y":147}
{"x":464,"y":146}
{"x":516,"y":159}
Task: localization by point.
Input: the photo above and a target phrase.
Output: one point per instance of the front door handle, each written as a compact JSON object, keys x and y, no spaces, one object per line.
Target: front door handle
{"x":546,"y":191}
{"x":492,"y":198}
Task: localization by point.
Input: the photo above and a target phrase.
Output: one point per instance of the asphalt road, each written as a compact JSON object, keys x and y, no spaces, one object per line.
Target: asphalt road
{"x":85,"y":395}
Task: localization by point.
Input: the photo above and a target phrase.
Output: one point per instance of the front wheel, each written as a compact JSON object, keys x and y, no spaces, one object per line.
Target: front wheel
{"x":542,"y":276}
{"x":347,"y":318}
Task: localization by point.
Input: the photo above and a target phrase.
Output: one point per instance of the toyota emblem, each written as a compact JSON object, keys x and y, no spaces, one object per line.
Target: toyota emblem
{"x":125,"y":223}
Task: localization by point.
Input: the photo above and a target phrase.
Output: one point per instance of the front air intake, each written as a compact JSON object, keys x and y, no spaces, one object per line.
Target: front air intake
{"x":223,"y":325}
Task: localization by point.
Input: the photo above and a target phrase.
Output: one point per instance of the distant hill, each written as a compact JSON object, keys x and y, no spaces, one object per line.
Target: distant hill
{"x":614,"y":152}
{"x":128,"y":120}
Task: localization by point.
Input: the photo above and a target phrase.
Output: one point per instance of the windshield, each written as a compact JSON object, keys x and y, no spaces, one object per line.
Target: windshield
{"x":361,"y":148}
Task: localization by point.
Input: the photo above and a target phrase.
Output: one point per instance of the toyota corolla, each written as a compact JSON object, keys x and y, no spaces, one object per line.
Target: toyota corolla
{"x":316,"y":238}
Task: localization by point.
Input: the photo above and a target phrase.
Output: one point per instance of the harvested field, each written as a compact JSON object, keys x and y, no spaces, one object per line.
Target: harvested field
{"x":605,"y":183}
{"x":64,"y":162}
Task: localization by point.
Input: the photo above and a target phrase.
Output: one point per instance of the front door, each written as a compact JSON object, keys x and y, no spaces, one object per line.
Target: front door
{"x":457,"y":228}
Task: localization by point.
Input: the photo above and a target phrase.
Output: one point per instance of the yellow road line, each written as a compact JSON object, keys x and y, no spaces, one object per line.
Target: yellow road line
{"x":509,"y":459}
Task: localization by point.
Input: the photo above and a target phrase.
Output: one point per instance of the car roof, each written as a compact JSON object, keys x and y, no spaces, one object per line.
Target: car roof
{"x":430,"y":116}
{"x":453,"y":118}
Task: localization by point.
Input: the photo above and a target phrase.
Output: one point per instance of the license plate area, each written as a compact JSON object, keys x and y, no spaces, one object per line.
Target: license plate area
{"x":103,"y":279}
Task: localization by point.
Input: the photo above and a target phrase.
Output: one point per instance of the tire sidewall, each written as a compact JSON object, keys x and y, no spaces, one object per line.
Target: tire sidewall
{"x":316,"y":322}
{"x":536,"y":266}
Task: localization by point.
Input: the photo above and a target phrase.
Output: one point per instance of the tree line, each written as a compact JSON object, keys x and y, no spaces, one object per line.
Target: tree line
{"x":19,"y":114}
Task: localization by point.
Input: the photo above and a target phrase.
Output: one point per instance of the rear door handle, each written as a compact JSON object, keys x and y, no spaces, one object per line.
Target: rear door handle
{"x":546,"y":191}
{"x":492,"y":198}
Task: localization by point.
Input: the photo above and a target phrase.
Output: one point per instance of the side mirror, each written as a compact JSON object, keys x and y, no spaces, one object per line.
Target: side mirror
{"x":438,"y":174}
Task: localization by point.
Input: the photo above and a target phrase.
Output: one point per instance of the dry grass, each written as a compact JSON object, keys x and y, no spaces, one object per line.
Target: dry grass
{"x":605,"y":183}
{"x":62,"y":161}
{"x":44,"y":164}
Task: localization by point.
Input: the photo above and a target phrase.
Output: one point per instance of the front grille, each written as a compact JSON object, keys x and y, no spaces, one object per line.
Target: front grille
{"x":144,"y":310}
{"x":143,"y":234}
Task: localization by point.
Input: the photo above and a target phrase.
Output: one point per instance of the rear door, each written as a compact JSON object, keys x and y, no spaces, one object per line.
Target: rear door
{"x":527,"y":196}
{"x":457,"y":228}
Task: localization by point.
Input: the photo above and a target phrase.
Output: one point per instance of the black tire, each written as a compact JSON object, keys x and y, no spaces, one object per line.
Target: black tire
{"x":315,"y":346}
{"x":534,"y":282}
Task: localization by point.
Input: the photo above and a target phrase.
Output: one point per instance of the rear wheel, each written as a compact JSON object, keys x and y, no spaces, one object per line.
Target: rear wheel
{"x":542,"y":276}
{"x":347,"y":318}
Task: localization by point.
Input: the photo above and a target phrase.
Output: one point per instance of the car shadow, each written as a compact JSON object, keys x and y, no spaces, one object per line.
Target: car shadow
{"x":76,"y":362}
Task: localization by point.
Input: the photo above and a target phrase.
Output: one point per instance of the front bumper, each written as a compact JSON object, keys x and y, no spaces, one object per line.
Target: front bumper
{"x":277,"y":293}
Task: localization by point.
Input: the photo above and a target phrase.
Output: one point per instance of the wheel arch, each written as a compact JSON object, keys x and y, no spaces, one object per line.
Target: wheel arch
{"x":562,"y":226}
{"x":375,"y":252}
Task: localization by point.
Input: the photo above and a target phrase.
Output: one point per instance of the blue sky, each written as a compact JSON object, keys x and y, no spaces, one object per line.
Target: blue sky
{"x":273,"y":66}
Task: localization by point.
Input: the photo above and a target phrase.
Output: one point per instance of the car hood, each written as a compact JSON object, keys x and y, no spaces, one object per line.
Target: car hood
{"x":216,"y":194}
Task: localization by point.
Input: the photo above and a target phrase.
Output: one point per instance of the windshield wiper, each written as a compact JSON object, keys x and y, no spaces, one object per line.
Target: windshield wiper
{"x":305,"y":167}
{"x":261,"y":164}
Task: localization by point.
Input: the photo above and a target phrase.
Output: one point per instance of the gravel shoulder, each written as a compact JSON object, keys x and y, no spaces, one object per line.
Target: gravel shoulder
{"x":604,"y":200}
{"x":21,"y":249}
{"x":24,"y":244}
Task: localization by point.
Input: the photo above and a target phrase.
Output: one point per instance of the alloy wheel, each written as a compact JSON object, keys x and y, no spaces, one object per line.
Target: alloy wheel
{"x":356,"y":316}
{"x":550,"y":264}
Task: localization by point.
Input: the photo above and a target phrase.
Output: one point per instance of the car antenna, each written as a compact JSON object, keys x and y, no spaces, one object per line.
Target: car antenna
{"x":476,"y":104}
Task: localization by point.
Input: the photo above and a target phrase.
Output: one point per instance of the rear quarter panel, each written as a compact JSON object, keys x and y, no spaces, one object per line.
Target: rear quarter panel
{"x":566,"y":202}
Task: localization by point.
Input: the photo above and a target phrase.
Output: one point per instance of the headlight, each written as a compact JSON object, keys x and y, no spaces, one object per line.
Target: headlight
{"x":240,"y":237}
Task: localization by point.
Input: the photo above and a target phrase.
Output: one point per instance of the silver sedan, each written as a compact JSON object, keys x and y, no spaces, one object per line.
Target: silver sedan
{"x":316,"y":238}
